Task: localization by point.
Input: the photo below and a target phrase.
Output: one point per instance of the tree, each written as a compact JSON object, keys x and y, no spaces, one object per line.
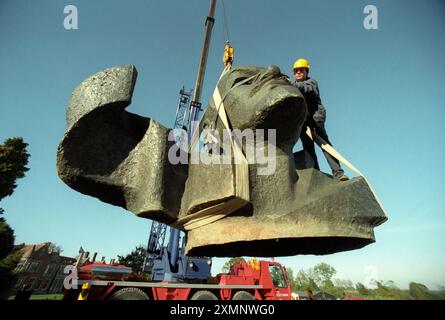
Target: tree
{"x":55,"y":248}
{"x":291,"y":278}
{"x":7,"y":275}
{"x":323,"y":274}
{"x":419,"y":291}
{"x":305,"y":280}
{"x":347,"y":284}
{"x":362,"y":289}
{"x":13,"y":161}
{"x":319,"y":278}
{"x":387,"y":290}
{"x":328,"y":286}
{"x":135,"y":259}
{"x":6,"y":238}
{"x":11,"y":261}
{"x":229,"y":263}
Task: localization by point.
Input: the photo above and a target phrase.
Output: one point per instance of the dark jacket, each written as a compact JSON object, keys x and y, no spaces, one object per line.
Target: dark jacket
{"x":311,"y":93}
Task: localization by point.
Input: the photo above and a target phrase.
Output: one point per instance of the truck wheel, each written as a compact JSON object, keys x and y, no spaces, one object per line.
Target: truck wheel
{"x":129,"y":294}
{"x":243,"y":295}
{"x":204,"y":295}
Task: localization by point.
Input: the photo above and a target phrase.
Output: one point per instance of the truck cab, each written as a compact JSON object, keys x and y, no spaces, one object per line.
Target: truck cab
{"x":270,"y":275}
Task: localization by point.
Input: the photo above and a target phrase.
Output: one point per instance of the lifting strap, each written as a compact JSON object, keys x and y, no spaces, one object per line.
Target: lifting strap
{"x":241,"y":169}
{"x":241,"y":172}
{"x":329,"y":149}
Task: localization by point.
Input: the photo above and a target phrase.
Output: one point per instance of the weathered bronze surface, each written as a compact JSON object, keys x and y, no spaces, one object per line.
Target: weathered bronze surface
{"x":121,"y":158}
{"x":116,"y":156}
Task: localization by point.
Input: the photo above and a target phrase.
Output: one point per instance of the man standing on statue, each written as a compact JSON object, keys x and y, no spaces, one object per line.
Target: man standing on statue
{"x":316,"y":117}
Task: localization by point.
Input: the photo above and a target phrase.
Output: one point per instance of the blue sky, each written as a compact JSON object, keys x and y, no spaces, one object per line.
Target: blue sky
{"x":383,"y":90}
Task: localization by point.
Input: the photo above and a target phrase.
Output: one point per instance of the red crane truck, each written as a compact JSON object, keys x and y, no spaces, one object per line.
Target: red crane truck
{"x":253,"y":280}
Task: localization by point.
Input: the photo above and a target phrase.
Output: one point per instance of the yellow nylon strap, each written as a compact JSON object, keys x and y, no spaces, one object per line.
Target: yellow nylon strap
{"x":329,"y":149}
{"x":241,"y":172}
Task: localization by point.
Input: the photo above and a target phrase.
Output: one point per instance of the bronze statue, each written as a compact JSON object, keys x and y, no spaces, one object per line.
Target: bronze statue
{"x":123,"y":159}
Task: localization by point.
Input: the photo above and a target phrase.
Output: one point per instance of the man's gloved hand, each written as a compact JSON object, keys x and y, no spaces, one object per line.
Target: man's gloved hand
{"x":320,"y":115}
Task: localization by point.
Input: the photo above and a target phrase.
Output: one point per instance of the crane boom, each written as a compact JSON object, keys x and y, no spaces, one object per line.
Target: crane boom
{"x":195,"y":105}
{"x":169,"y":263}
{"x":204,"y":52}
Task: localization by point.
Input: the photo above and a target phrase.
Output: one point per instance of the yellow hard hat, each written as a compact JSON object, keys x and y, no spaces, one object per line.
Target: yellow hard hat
{"x":301,"y":63}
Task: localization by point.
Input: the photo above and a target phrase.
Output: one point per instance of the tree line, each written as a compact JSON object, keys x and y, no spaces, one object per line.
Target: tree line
{"x":321,"y":278}
{"x":13,"y":161}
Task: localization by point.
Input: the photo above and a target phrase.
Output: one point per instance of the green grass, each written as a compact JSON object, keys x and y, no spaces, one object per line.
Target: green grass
{"x":46,"y":296}
{"x":53,"y":296}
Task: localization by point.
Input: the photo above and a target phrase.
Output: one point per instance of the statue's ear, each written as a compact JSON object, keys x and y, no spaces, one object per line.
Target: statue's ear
{"x":111,"y":88}
{"x":116,"y":156}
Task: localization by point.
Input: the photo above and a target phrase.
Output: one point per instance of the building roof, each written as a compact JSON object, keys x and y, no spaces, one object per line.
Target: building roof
{"x":29,"y":249}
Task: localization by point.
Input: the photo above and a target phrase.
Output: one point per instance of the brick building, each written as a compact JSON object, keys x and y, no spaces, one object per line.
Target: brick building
{"x":41,"y":268}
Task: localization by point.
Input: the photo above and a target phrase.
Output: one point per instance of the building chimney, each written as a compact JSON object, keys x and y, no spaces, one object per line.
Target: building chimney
{"x":84,"y":258}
